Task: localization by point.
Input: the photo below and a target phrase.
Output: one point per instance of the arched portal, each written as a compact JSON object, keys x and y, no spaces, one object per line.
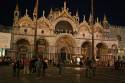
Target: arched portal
{"x":114,"y":51}
{"x":22,"y":46}
{"x":86,"y":50}
{"x":102,"y":50}
{"x":63,"y":27}
{"x":65,"y":48}
{"x":41,"y":47}
{"x":63,"y":54}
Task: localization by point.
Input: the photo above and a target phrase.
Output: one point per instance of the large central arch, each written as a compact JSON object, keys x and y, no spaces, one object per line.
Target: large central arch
{"x":63,"y":27}
{"x":65,"y":47}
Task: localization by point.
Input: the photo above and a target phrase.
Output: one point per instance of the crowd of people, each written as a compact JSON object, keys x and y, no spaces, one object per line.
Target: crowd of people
{"x":40,"y":65}
{"x":36,"y":65}
{"x":119,"y":65}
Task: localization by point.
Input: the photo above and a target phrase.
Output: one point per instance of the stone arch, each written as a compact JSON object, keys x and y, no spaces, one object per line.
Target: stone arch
{"x":42,"y":47}
{"x":67,"y":20}
{"x":84,"y":27}
{"x":23,"y":47}
{"x":114,"y":46}
{"x":114,"y":49}
{"x":102,"y":50}
{"x":25,"y":21}
{"x":65,"y":47}
{"x":119,"y":38}
{"x":44,"y":22}
{"x":86,"y":49}
{"x":64,"y":27}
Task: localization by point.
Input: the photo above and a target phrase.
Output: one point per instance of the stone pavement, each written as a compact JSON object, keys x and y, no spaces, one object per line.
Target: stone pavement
{"x":71,"y":75}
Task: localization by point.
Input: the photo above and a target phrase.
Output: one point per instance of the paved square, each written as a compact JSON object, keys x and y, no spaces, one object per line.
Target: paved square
{"x":70,"y":75}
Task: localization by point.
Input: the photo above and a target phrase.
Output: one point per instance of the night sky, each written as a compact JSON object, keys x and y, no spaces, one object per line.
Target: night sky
{"x":113,"y":9}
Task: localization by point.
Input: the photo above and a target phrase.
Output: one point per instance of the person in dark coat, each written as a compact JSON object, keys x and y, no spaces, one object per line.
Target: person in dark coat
{"x":14,"y":68}
{"x":18,"y":63}
{"x":45,"y":66}
{"x":60,"y":67}
{"x":38,"y":65}
{"x":88,"y":64}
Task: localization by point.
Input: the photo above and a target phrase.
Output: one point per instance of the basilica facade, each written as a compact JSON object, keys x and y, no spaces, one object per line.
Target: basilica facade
{"x":61,"y":36}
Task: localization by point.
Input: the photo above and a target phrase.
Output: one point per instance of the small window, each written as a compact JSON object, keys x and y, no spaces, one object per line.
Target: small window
{"x":119,"y":38}
{"x":42,"y":31}
{"x":83,"y":35}
{"x":25,"y":31}
{"x":97,"y":36}
{"x":51,"y":17}
{"x":16,"y":14}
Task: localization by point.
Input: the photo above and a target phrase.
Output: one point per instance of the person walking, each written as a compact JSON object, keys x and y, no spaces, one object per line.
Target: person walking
{"x":38,"y":65}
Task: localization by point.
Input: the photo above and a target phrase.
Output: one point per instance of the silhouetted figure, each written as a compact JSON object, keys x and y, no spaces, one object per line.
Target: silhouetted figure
{"x":60,"y":67}
{"x":18,"y":64}
{"x":81,"y":63}
{"x":89,"y":68}
{"x":45,"y":66}
{"x":14,"y":68}
{"x":38,"y":65}
{"x":32,"y":66}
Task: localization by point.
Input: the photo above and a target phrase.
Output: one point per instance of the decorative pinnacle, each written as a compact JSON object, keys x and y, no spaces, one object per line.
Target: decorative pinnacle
{"x":97,"y":20}
{"x":84,"y":18}
{"x":65,"y":4}
{"x":17,"y":6}
{"x":26,"y":12}
{"x":77,"y":13}
{"x":43,"y":13}
{"x":105,"y":18}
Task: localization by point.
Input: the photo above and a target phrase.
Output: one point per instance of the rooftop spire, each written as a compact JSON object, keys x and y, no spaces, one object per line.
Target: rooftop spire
{"x":43,"y":13}
{"x":97,"y":20}
{"x":17,"y":6}
{"x":51,"y":10}
{"x":105,"y":19}
{"x":64,"y":4}
{"x":84,"y":18}
{"x":26,"y":12}
{"x":35,"y":13}
{"x":77,"y":14}
{"x":90,"y":19}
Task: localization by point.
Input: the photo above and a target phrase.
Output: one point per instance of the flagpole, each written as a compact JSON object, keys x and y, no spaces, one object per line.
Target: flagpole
{"x":92,"y":26}
{"x":35,"y":32}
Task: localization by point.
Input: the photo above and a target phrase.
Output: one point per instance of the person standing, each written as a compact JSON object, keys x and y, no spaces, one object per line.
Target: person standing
{"x":26,"y":66}
{"x":14,"y":67}
{"x":45,"y":66}
{"x":93,"y":68}
{"x":38,"y":65}
{"x":88,"y":70}
{"x":18,"y":65}
{"x":60,"y":67}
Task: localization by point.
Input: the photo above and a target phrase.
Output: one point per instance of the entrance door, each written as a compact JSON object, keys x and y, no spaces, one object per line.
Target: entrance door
{"x":86,"y":50}
{"x":62,"y":55}
{"x":22,"y":48}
